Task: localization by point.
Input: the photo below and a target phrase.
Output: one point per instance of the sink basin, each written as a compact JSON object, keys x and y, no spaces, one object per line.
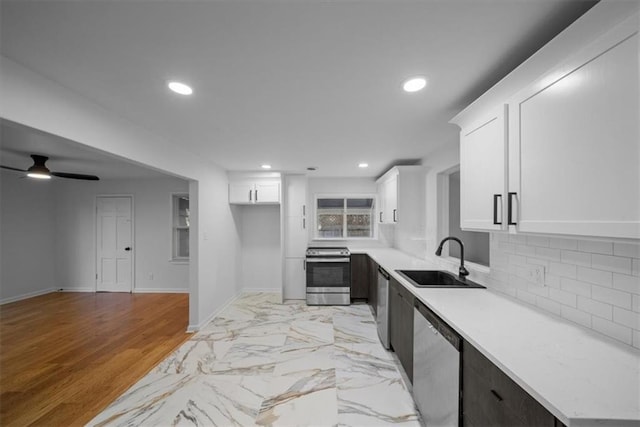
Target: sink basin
{"x":436,"y":279}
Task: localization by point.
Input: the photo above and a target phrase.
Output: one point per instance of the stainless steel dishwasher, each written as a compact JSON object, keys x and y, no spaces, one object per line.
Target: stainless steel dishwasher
{"x":436,"y":368}
{"x":382,"y":308}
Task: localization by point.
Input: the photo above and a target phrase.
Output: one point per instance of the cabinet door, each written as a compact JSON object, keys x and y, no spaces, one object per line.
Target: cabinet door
{"x":395,"y":323}
{"x":381,"y":203}
{"x":575,"y":143}
{"x":296,"y":236}
{"x":406,"y":335}
{"x":359,"y":276}
{"x":240,"y":192}
{"x":483,"y":172}
{"x":391,"y":200}
{"x":296,"y":195}
{"x":489,"y":397}
{"x":267,"y":192}
{"x":294,"y":278}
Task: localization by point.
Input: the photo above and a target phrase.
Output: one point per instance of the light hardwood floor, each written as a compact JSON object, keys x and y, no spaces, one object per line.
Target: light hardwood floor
{"x":65,"y":356}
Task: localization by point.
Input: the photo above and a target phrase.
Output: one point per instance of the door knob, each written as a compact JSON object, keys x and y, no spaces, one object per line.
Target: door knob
{"x":128,"y":248}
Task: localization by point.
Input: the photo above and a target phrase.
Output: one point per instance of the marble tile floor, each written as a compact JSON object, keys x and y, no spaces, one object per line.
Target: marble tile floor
{"x":263,"y":363}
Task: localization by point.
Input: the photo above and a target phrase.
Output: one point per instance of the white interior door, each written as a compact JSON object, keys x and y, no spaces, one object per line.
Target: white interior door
{"x":114,"y":250}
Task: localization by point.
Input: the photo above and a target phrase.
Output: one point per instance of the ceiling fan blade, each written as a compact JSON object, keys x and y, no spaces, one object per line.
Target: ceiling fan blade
{"x":75,"y":176}
{"x":12,"y":169}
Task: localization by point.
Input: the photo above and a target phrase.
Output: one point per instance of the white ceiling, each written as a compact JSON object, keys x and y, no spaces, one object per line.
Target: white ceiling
{"x":291,"y":83}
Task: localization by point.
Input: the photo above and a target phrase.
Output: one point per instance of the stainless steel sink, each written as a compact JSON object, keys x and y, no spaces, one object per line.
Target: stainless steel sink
{"x":436,"y":279}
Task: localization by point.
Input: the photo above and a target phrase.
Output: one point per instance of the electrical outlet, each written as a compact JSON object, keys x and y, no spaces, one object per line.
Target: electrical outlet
{"x":536,"y":274}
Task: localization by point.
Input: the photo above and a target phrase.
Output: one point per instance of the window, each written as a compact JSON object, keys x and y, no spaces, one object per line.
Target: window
{"x":476,"y":244}
{"x":344,"y":218}
{"x":180,"y":230}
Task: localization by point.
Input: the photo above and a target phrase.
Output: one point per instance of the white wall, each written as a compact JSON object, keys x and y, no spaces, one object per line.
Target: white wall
{"x":32,"y":100}
{"x":261,"y":249}
{"x":341,"y":186}
{"x":75,"y":238}
{"x":27,"y":225}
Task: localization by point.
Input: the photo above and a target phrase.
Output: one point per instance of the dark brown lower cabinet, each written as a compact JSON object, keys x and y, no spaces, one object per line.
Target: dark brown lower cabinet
{"x":401,"y":304}
{"x":359,"y":276}
{"x":491,"y":398}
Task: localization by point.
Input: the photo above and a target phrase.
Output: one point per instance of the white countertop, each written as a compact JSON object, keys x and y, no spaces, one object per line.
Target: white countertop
{"x":580,"y":376}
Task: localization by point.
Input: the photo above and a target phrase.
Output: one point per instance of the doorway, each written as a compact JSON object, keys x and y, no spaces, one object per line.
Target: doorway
{"x":114,"y":248}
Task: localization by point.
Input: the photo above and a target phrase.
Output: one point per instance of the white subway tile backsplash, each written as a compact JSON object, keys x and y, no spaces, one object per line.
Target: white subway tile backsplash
{"x":626,"y":283}
{"x":517,"y":260}
{"x":575,"y":257}
{"x":552,"y":281}
{"x":549,"y":305}
{"x":575,"y":287}
{"x":595,"y":247}
{"x":548,"y":253}
{"x":563,"y":297}
{"x":626,"y":318}
{"x":611,"y":263}
{"x":542,"y":241}
{"x":561,"y":243}
{"x":631,"y":250}
{"x":596,"y":308}
{"x":576,"y":316}
{"x":526,"y":296}
{"x":563,"y":270}
{"x":597,"y":277}
{"x":619,"y":332}
{"x":525,"y":250}
{"x":611,"y":296}
{"x":594,"y":283}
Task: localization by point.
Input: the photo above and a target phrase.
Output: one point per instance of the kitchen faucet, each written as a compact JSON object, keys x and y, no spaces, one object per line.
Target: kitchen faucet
{"x":462,"y":271}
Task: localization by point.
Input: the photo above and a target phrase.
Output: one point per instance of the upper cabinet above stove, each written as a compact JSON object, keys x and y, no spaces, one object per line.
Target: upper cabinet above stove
{"x":559,"y":152}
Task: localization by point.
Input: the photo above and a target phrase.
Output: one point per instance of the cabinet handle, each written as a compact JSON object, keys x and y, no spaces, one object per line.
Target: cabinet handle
{"x":496,"y":395}
{"x":495,"y":209}
{"x":304,"y":223}
{"x":380,"y":216}
{"x":394,"y":215}
{"x":304,"y":264}
{"x":304,"y":208}
{"x":250,"y":199}
{"x":510,"y":220}
{"x":256,"y":195}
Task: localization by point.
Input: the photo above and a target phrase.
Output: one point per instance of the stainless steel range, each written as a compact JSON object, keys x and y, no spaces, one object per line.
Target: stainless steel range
{"x":328,"y":276}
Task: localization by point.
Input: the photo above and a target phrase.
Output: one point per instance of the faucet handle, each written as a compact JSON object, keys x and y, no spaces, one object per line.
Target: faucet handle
{"x":463,"y":271}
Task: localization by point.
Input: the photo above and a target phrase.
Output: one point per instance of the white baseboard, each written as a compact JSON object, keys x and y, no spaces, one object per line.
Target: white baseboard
{"x":195,"y":328}
{"x":86,"y":289}
{"x":28,"y":295}
{"x":161,"y":291}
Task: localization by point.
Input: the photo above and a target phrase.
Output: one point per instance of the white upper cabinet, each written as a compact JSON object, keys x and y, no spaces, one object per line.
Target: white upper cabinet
{"x":296,"y":232}
{"x":483,"y":151}
{"x":388,"y":197}
{"x":564,"y":156}
{"x":575,"y":143}
{"x":254,"y":191}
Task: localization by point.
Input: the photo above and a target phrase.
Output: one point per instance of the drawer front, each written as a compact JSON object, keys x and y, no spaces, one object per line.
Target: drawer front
{"x":490,"y":397}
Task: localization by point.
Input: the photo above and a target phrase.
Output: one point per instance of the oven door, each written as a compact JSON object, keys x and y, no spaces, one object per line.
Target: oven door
{"x":329,"y":276}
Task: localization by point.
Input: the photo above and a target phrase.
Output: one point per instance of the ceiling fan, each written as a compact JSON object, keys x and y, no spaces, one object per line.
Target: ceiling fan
{"x":39,"y":171}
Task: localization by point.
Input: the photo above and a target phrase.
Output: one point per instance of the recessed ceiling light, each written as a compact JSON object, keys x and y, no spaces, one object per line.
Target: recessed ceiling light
{"x":180,"y":88}
{"x":414,"y":84}
{"x":266,"y":166}
{"x":363,"y":165}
